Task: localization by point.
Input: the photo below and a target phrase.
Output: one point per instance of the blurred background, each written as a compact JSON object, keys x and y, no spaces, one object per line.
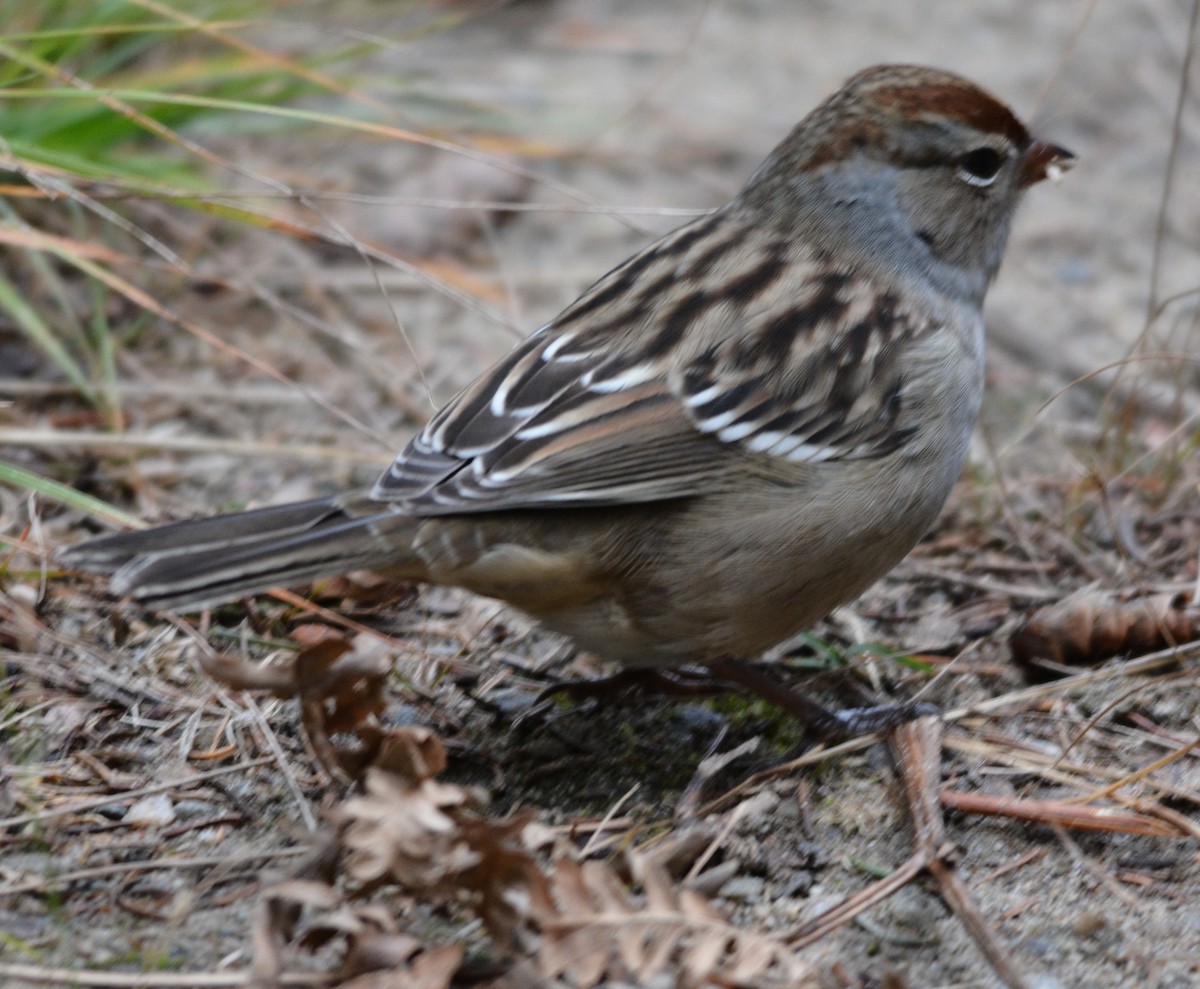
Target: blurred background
{"x":249,"y":247}
{"x":373,"y":200}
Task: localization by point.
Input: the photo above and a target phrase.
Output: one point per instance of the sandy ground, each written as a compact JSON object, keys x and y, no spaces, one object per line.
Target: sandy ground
{"x":668,"y":107}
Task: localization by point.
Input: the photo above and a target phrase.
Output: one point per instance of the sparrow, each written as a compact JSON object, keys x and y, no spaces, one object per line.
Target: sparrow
{"x":727,"y":436}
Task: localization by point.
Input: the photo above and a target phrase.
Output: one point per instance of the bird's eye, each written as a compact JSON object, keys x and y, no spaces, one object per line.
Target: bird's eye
{"x":980,"y":166}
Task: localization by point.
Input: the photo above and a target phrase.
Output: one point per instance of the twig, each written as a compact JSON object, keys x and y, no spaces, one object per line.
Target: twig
{"x":1059,"y":812}
{"x":156,"y":980}
{"x":95,"y":439}
{"x":836,"y":916}
{"x":47,"y":815}
{"x":918,"y":752}
{"x":46,"y":884}
{"x":1102,"y":876}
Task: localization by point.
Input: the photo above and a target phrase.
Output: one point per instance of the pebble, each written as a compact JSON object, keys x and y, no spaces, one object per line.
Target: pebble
{"x":187,"y":810}
{"x":746,"y":889}
{"x":151,"y":812}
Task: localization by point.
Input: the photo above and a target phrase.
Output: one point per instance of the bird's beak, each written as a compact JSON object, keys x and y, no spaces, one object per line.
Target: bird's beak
{"x":1044,"y":161}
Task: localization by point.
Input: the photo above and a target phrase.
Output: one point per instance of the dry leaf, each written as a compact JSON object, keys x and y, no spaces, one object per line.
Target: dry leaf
{"x":340,"y":690}
{"x":377,"y":954}
{"x":432,"y":840}
{"x":596,"y":930}
{"x":366,"y":589}
{"x":428,"y":837}
{"x":404,"y":832}
{"x":432,"y":968}
{"x":1093,"y":625}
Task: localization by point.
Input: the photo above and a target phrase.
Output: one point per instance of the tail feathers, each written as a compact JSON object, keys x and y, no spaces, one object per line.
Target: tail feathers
{"x":107,"y":554}
{"x":190,"y":565}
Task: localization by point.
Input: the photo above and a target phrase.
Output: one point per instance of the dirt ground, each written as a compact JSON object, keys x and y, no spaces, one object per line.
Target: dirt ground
{"x":623,"y":118}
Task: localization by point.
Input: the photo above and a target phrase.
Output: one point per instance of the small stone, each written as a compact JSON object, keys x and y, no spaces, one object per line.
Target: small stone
{"x":188,"y":810}
{"x":112,"y":812}
{"x":151,"y":812}
{"x":746,"y":889}
{"x":24,"y":594}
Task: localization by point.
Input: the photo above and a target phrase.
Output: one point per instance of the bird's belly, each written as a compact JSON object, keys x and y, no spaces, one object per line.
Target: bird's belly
{"x":725,"y":576}
{"x":727,"y":589}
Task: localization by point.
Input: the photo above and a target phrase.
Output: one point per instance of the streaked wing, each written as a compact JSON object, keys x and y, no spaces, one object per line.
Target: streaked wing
{"x":638,"y":391}
{"x":535,"y":433}
{"x":821,"y":379}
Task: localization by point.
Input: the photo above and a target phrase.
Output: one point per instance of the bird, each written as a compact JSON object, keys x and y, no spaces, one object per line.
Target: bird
{"x":727,"y":436}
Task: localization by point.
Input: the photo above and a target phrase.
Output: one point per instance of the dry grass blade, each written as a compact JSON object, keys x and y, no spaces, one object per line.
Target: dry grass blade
{"x":1077,"y":776}
{"x":60,"y":882}
{"x":1027,"y":695}
{"x":93,"y":440}
{"x":833,"y":918}
{"x":80,"y":806}
{"x":223,"y":34}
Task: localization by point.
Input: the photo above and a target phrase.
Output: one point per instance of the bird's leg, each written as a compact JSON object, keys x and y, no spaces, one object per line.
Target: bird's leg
{"x":721,"y":675}
{"x":826,"y":724}
{"x":682,"y":682}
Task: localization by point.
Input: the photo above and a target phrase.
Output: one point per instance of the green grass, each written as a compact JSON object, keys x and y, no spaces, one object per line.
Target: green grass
{"x":59,"y":77}
{"x":116,"y":114}
{"x":100,"y":103}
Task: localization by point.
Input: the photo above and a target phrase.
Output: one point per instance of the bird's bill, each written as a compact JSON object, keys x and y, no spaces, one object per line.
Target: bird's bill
{"x":1044,"y":161}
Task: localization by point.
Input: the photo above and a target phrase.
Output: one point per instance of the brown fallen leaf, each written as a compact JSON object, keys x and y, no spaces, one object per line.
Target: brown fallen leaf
{"x":377,"y":953}
{"x":431,"y":837}
{"x":365,"y":589}
{"x":593,"y":929}
{"x":410,"y":837}
{"x":1094,"y":625}
{"x":340,"y":689}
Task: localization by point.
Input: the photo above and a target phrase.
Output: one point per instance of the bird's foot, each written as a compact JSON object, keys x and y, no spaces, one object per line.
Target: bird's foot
{"x":820,"y":721}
